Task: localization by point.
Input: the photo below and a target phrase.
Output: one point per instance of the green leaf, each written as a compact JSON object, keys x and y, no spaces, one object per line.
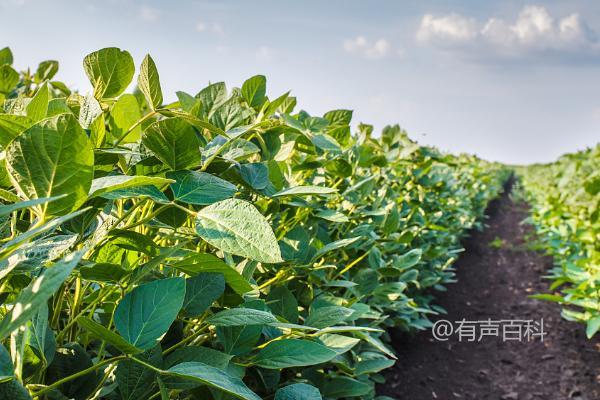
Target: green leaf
{"x":150,"y":192}
{"x":200,"y":188}
{"x":236,"y":227}
{"x":46,"y":70}
{"x":298,"y":391}
{"x":201,"y":354}
{"x":593,"y":324}
{"x":324,"y":317}
{"x":9,"y":208}
{"x":123,"y":116}
{"x":213,"y":377}
{"x":338,"y":244}
{"x":174,"y":142}
{"x":109,"y":336}
{"x":38,"y":106}
{"x":409,"y":259}
{"x":109,"y":70}
{"x":204,"y":262}
{"x":372,"y":366}
{"x":304,"y":191}
{"x":90,"y":109}
{"x":283,"y":303}
{"x":256,"y":175}
{"x":34,"y":296}
{"x":201,"y":291}
{"x":211,"y":97}
{"x":8,"y":79}
{"x":241,"y":317}
{"x":6,"y":56}
{"x":51,"y":158}
{"x":135,"y":381}
{"x":288,"y":353}
{"x":149,"y":83}
{"x":12,"y":126}
{"x":7,"y":371}
{"x":254,"y":91}
{"x":145,"y":314}
{"x":111,"y":183}
{"x":345,"y":387}
{"x":13,"y":390}
{"x":41,"y":338}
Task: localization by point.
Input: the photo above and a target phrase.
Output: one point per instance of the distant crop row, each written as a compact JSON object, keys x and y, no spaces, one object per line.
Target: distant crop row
{"x":565,"y":199}
{"x":220,"y":246}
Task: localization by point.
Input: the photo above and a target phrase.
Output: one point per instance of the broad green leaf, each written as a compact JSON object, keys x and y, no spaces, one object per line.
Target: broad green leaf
{"x":7,"y":371}
{"x":338,"y":244}
{"x":46,"y":70}
{"x":51,"y":158}
{"x":69,"y":360}
{"x":288,"y":353}
{"x":211,"y":97}
{"x":89,"y":111}
{"x":135,"y":192}
{"x":237,"y":340}
{"x":174,"y":142}
{"x":109,"y":336}
{"x":283,"y":303}
{"x":213,"y":377}
{"x":13,"y":390}
{"x":9,"y":78}
{"x":34,"y":296}
{"x":12,"y":126}
{"x":149,"y":83}
{"x":338,"y":343}
{"x":201,"y":291}
{"x":229,"y":115}
{"x":254,"y":91}
{"x":203,"y":262}
{"x":241,"y":317}
{"x":111,"y":183}
{"x":135,"y":381}
{"x":6,"y":56}
{"x":304,"y":191}
{"x":109,"y":70}
{"x":409,"y":259}
{"x":344,"y":387}
{"x":236,"y":227}
{"x":123,"y":116}
{"x":145,"y":314}
{"x":298,"y":391}
{"x":38,"y":106}
{"x":200,"y":188}
{"x":324,"y":317}
{"x":41,"y":338}
{"x":372,"y":366}
{"x":593,"y":324}
{"x":256,"y":175}
{"x":201,"y":354}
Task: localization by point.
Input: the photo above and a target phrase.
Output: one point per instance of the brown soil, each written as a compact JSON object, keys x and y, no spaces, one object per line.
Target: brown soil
{"x":495,"y":283}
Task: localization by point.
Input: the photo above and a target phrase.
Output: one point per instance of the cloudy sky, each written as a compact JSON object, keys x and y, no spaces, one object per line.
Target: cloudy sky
{"x":508,"y":80}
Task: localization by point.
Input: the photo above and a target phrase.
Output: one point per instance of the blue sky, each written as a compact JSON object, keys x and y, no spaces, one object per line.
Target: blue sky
{"x":508,"y":80}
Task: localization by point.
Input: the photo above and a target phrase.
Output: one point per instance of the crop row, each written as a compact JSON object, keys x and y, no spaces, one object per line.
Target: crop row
{"x":565,"y":200}
{"x":219,"y":246}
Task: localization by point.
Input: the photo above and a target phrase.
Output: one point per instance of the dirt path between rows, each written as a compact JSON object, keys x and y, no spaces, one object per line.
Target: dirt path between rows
{"x":494,"y":282}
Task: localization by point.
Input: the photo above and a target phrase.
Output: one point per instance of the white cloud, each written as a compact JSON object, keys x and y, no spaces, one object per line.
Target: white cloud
{"x":149,"y":14}
{"x":364,"y":47}
{"x":452,"y":27}
{"x":210,"y":27}
{"x":534,"y":31}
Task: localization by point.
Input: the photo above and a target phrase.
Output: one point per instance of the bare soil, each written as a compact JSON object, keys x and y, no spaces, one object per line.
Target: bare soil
{"x":494,"y":282}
